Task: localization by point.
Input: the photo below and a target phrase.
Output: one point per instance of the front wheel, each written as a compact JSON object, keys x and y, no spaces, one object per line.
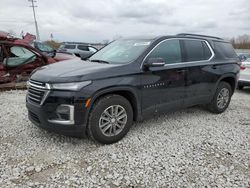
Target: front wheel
{"x":221,"y":98}
{"x":110,"y":119}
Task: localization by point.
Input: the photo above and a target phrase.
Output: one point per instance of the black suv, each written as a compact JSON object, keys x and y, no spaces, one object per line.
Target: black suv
{"x":131,"y":79}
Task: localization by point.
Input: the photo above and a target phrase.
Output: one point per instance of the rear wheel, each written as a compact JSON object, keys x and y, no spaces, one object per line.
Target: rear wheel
{"x":110,"y":119}
{"x":221,"y":98}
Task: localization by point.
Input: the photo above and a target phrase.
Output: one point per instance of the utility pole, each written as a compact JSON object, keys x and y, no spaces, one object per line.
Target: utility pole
{"x":34,"y":14}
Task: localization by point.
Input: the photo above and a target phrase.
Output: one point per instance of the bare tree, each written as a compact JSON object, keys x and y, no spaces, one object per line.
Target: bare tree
{"x":241,"y":42}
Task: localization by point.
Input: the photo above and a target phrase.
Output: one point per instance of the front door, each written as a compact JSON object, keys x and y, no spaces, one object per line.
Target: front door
{"x":20,"y":62}
{"x":4,"y":74}
{"x":163,"y":88}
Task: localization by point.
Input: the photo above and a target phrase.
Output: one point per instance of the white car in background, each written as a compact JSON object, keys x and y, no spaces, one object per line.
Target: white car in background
{"x":244,"y":79}
{"x":81,"y":50}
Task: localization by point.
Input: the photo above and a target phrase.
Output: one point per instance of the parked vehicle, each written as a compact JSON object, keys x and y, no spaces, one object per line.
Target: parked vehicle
{"x":129,"y":80}
{"x":19,"y":57}
{"x":17,"y":61}
{"x":50,"y":52}
{"x":244,"y":79}
{"x":81,"y":50}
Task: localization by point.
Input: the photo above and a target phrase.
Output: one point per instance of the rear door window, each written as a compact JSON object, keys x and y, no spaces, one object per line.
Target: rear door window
{"x":169,"y":50}
{"x":82,"y":47}
{"x":69,"y":46}
{"x":196,"y":50}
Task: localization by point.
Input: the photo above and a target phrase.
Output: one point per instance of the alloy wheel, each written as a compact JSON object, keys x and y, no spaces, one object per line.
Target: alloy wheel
{"x":223,"y":98}
{"x":113,"y":120}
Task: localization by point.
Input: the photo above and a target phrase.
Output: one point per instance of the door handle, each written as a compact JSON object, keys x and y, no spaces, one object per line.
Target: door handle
{"x":214,"y":67}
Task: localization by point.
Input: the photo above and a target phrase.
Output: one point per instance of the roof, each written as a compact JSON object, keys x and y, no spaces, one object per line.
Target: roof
{"x":199,"y":36}
{"x":181,"y":35}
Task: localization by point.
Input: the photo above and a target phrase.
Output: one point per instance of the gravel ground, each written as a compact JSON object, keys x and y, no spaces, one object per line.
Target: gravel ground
{"x":188,"y":148}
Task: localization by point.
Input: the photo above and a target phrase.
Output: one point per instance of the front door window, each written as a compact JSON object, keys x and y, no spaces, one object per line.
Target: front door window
{"x":18,"y":56}
{"x":168,"y":50}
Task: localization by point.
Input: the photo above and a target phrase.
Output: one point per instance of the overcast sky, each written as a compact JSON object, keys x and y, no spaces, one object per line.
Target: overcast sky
{"x":97,"y":20}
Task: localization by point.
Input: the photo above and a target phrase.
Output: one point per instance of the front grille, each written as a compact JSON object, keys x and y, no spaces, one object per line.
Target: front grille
{"x":37,"y":91}
{"x":34,"y":117}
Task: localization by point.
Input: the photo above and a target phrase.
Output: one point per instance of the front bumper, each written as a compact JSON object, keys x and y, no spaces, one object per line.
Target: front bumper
{"x":41,"y":114}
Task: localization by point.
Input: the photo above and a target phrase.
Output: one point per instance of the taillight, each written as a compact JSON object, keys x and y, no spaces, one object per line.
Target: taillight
{"x":242,"y":67}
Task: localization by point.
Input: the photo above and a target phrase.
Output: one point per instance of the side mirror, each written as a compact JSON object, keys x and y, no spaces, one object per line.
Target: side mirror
{"x":54,"y":53}
{"x":242,"y":57}
{"x":155,"y":62}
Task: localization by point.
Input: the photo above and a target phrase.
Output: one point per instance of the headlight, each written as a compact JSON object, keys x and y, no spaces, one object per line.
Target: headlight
{"x":73,"y":86}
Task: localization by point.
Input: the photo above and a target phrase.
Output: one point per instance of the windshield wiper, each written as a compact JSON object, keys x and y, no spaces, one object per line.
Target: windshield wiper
{"x":99,"y":61}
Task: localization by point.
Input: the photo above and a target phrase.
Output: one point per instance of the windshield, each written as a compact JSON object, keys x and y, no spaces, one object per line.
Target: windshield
{"x":121,"y":51}
{"x":43,"y":47}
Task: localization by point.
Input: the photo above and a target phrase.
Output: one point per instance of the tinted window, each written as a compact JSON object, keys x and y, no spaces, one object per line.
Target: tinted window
{"x":82,"y":47}
{"x":67,"y":46}
{"x":196,"y":50}
{"x":169,"y":50}
{"x":225,"y":50}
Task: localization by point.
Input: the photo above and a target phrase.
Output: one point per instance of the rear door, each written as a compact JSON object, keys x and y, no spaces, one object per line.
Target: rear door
{"x":200,"y":74}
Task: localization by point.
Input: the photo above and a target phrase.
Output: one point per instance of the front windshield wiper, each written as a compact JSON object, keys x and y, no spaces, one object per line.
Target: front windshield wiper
{"x":99,"y":61}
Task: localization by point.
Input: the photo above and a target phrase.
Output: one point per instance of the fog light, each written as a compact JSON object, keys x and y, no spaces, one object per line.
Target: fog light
{"x":63,"y":112}
{"x":65,"y":115}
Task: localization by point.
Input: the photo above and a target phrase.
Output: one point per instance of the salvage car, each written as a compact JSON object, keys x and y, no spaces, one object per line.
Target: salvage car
{"x":45,"y":49}
{"x":130,"y":80}
{"x":244,"y":79}
{"x":18,"y":59}
{"x":50,"y":52}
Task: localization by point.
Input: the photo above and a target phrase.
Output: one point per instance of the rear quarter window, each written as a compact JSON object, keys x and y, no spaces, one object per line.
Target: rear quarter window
{"x":224,"y":50}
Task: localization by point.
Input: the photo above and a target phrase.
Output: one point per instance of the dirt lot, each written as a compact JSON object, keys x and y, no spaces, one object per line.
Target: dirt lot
{"x":188,"y":148}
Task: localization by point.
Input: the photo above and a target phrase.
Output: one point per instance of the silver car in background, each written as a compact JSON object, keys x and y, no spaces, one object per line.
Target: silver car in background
{"x":81,"y":50}
{"x":244,"y":79}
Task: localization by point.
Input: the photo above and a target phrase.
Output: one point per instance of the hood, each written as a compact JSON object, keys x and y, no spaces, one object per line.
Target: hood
{"x":60,"y":56}
{"x":75,"y":70}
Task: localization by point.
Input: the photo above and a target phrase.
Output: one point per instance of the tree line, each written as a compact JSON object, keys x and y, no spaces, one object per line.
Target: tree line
{"x":241,"y":42}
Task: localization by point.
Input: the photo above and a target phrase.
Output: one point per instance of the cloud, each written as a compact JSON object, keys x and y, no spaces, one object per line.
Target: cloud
{"x":97,"y":20}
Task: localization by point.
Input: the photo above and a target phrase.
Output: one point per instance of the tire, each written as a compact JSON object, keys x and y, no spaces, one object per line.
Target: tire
{"x":240,"y":87}
{"x":217,"y":107}
{"x":101,"y":115}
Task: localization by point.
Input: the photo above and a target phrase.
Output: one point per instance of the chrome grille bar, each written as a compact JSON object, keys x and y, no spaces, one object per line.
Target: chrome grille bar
{"x":38,"y":91}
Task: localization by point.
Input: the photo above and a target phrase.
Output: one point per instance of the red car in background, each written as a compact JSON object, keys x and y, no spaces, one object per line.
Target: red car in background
{"x":18,"y":59}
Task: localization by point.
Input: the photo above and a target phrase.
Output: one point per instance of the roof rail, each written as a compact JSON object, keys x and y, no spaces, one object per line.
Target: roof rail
{"x":189,"y":34}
